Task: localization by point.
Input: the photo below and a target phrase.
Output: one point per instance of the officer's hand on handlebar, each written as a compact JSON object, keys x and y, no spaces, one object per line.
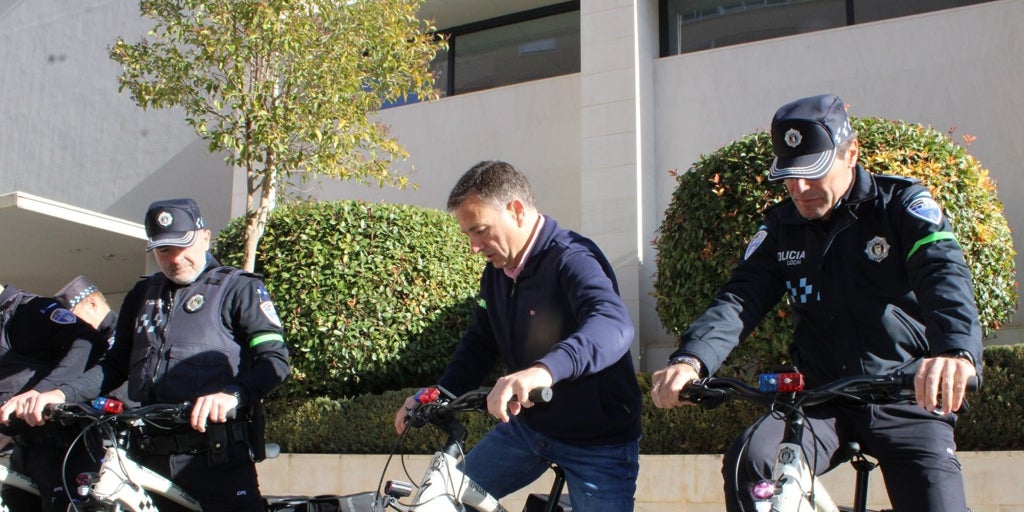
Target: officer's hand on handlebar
{"x":29,"y":406}
{"x":213,"y":408}
{"x":518,"y":385}
{"x":668,"y":382}
{"x":403,"y":413}
{"x":941,"y":383}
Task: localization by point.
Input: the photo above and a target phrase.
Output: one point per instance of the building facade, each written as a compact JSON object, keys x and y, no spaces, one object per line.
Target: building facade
{"x":598,"y":142}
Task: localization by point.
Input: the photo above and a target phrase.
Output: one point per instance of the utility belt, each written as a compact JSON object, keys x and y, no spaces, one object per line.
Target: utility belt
{"x":215,"y":442}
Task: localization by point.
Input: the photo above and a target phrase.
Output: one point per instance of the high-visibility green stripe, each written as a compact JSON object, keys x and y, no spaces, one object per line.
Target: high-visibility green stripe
{"x":934,"y":237}
{"x":270,"y":336}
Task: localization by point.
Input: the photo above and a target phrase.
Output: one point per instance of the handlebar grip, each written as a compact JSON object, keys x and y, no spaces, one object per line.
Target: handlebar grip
{"x":541,"y":395}
{"x":907,"y":382}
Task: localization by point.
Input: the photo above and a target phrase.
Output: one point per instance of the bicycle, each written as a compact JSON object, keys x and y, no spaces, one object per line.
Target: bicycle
{"x":121,"y":484}
{"x":444,"y":487}
{"x":793,"y":487}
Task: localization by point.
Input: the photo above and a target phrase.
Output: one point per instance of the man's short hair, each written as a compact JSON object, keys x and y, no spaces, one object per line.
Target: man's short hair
{"x":495,"y":182}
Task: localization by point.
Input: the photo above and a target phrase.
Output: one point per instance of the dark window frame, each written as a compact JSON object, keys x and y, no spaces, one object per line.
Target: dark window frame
{"x":453,"y":33}
{"x":663,"y":28}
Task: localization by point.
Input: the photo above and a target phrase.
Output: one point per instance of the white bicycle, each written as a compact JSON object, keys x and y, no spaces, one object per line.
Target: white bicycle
{"x":793,"y":487}
{"x":444,"y":487}
{"x":121,"y":484}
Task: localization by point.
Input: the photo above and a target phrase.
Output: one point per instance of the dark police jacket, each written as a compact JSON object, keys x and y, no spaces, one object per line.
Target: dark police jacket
{"x":563,"y":311}
{"x":178,"y":342}
{"x":875,"y":288}
{"x":42,"y":344}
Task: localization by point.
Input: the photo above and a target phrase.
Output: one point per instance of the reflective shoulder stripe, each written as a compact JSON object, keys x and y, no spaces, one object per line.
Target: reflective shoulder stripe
{"x":934,"y":237}
{"x":269,"y":336}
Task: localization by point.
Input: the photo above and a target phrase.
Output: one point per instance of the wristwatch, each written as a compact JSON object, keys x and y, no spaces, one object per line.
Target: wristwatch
{"x":958,"y":353}
{"x":688,"y":360}
{"x":234,"y":391}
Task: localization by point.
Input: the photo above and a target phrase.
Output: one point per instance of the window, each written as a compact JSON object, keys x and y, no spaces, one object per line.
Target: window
{"x":695,"y":25}
{"x":528,"y":45}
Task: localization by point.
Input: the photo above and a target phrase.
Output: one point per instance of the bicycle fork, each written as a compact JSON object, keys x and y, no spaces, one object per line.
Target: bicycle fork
{"x":793,"y":486}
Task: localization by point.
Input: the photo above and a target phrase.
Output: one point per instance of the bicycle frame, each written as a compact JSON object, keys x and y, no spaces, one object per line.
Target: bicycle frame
{"x":444,"y":487}
{"x":122,"y":484}
{"x":793,"y":485}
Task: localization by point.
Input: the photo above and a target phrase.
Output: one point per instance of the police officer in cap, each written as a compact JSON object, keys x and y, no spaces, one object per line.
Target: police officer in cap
{"x":877,"y":283}
{"x":42,"y":345}
{"x":199,"y":332}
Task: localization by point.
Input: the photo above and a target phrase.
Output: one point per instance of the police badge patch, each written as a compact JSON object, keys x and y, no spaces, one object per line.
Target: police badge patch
{"x":877,"y":249}
{"x":755,"y":242}
{"x":195,"y":303}
{"x":63,"y":317}
{"x":925,"y":208}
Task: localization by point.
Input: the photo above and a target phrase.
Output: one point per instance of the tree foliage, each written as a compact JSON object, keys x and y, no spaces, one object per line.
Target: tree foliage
{"x":373,"y":297}
{"x":719,"y":203}
{"x":284,"y":88}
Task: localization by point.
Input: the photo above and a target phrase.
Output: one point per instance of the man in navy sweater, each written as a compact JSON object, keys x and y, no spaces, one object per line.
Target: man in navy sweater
{"x":551,"y":312}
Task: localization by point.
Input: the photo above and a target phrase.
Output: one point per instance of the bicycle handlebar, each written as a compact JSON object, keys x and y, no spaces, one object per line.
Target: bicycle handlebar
{"x":710,"y":392}
{"x":433,"y":408}
{"x":176,"y":412}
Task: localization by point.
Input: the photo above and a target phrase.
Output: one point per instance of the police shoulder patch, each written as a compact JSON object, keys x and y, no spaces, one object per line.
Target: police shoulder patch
{"x":269,"y":311}
{"x":755,"y":242}
{"x":925,"y":208}
{"x":62,"y":316}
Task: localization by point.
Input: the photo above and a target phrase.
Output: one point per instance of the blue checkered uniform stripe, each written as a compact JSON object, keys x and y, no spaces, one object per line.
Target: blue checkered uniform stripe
{"x":801,"y":292}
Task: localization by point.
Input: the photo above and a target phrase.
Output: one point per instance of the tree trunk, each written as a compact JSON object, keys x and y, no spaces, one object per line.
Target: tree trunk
{"x":260,"y":201}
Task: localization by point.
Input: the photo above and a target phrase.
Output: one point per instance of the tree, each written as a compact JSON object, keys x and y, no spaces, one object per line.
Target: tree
{"x":285,"y":88}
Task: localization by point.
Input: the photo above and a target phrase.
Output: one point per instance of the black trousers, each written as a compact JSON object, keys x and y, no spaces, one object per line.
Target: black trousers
{"x":39,"y":454}
{"x":229,"y":486}
{"x":914,"y":448}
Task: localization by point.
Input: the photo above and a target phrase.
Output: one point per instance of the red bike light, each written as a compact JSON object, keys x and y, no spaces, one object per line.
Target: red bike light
{"x":763,"y":490}
{"x":780,"y":382}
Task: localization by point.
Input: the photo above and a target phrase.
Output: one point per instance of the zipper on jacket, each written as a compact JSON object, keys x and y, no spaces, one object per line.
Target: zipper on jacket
{"x":163,"y":342}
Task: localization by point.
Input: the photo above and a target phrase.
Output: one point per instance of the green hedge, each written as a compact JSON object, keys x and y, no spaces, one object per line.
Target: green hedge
{"x":373,"y":296}
{"x":365,"y":424}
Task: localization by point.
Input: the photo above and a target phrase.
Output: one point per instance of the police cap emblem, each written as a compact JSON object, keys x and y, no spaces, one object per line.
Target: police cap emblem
{"x":793,"y":137}
{"x":164,"y":218}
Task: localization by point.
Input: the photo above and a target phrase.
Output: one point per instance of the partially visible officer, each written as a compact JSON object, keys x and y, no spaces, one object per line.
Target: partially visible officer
{"x":877,"y":283}
{"x":199,"y":332}
{"x":87,"y":302}
{"x":41,"y":345}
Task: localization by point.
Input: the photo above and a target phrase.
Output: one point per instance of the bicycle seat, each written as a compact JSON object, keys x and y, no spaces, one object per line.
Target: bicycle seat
{"x":850,"y":450}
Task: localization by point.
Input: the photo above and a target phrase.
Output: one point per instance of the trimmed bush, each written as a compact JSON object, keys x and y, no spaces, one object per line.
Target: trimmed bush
{"x":993,"y":419}
{"x":719,"y":203}
{"x":365,"y":424}
{"x":373,"y":296}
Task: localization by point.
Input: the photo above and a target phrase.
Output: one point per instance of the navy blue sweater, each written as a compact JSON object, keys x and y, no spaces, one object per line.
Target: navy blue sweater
{"x":564,"y":311}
